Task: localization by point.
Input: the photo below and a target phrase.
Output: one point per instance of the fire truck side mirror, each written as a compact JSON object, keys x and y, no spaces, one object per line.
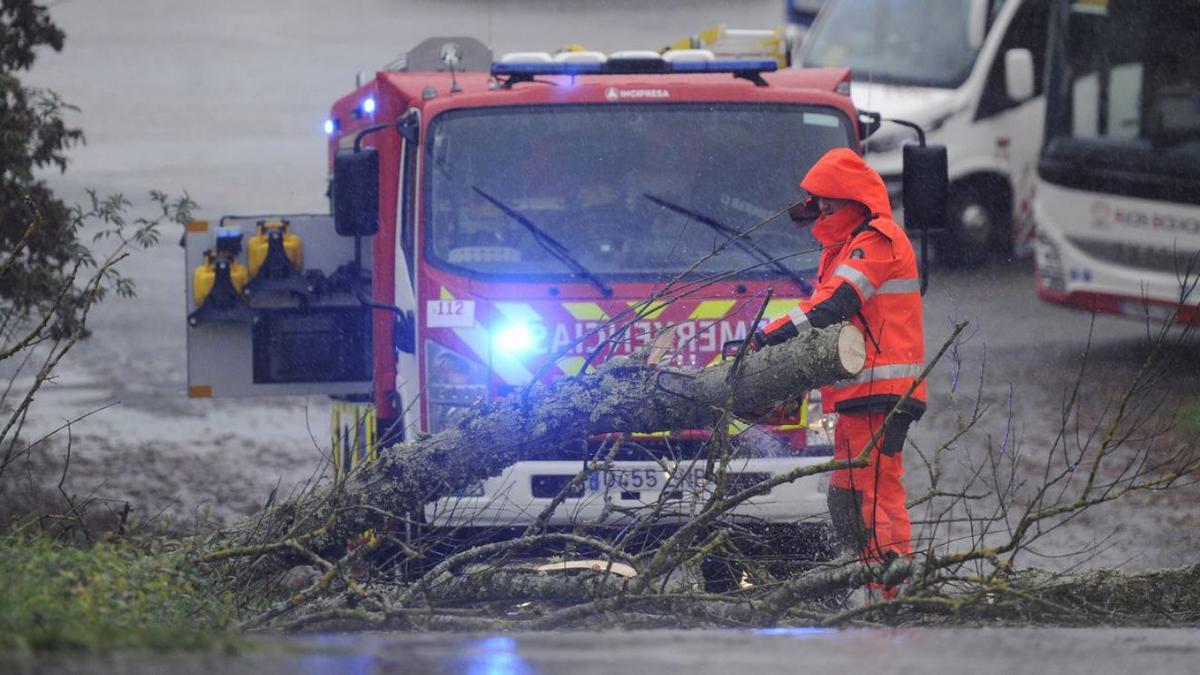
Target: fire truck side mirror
{"x":356,"y":192}
{"x":926,"y":186}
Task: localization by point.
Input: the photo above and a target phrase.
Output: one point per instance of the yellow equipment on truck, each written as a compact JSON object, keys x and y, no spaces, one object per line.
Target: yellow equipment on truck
{"x":218,"y":281}
{"x":276,"y":248}
{"x":739,"y":43}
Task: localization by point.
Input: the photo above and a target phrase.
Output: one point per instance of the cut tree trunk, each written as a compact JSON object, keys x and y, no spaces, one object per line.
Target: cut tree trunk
{"x":622,"y":396}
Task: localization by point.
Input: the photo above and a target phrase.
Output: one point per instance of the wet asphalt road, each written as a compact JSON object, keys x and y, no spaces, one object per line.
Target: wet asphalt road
{"x":1022,"y":361}
{"x":917,"y":651}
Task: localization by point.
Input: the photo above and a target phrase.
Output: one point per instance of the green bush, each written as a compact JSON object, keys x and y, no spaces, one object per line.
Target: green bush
{"x":106,"y":595}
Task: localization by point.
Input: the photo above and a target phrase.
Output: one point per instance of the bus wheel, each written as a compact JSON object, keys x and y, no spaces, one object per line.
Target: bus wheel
{"x":974,"y":226}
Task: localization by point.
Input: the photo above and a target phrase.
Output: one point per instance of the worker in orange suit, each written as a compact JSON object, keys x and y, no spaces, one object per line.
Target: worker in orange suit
{"x":867,"y":276}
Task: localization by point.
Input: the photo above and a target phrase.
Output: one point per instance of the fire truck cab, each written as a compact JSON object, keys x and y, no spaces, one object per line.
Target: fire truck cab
{"x":500,"y":222}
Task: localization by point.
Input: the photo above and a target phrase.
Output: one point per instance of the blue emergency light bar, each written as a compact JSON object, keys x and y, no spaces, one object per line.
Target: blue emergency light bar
{"x":642,"y":66}
{"x":551,"y":68}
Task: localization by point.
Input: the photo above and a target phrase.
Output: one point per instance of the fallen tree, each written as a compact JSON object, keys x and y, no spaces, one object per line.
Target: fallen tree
{"x":624,"y":395}
{"x":512,"y":584}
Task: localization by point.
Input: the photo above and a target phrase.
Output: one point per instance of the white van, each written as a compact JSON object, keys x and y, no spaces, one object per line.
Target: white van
{"x":970,"y":73}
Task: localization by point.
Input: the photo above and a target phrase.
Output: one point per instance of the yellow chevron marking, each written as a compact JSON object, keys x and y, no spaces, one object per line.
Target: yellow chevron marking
{"x":648,"y":309}
{"x":585,"y":311}
{"x":446,"y":294}
{"x":779,"y":306}
{"x":712,"y":309}
{"x":715,"y":360}
{"x":570,"y":365}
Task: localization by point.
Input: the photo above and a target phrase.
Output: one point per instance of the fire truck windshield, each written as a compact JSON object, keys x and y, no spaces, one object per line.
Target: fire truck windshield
{"x":583,"y":173}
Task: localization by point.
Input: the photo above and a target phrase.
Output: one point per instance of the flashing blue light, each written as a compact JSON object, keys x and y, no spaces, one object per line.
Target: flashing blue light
{"x":513,"y":339}
{"x":368,"y":106}
{"x":330,"y":127}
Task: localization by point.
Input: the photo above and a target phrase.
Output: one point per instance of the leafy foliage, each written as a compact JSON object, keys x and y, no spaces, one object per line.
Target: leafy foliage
{"x":108,"y":595}
{"x":33,"y":136}
{"x":60,"y":320}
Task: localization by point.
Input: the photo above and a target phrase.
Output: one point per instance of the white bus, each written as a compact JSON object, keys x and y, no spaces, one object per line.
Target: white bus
{"x":1118,"y":199}
{"x":970,"y":73}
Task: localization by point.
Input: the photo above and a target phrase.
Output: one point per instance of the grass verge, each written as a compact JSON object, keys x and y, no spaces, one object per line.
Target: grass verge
{"x":112,"y":594}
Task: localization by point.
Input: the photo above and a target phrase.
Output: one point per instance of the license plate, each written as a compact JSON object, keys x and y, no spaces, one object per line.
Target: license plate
{"x":646,"y":479}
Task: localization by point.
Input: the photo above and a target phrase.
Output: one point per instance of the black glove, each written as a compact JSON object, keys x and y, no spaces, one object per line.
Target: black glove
{"x":780,"y":335}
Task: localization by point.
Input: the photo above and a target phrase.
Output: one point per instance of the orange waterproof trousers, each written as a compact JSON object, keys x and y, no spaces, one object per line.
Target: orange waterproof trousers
{"x":866,"y":504}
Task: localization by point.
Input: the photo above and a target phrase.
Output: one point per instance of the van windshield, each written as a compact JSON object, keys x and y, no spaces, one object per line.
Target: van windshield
{"x":907,"y":42}
{"x":637,"y":191}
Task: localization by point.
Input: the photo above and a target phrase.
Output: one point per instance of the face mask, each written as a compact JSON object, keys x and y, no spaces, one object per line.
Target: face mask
{"x":839,"y":224}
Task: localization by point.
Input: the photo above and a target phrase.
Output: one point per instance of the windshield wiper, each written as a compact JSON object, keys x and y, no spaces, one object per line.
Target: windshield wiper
{"x":737,"y":238}
{"x":552,"y":245}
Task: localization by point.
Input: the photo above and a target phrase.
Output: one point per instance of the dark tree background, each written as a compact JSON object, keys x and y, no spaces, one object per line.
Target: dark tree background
{"x":33,"y":136}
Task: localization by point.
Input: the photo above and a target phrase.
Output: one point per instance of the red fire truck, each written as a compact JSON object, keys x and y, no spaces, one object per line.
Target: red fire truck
{"x":496,"y":223}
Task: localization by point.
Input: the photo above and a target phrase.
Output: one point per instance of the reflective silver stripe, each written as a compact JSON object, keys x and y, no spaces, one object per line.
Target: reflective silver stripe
{"x":892,"y":372}
{"x":856,"y":279}
{"x":900,"y":286}
{"x":799,"y":320}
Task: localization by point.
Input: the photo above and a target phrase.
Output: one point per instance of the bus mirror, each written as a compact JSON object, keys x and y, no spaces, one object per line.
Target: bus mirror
{"x":926,"y":186}
{"x":356,"y":192}
{"x":1018,"y":74}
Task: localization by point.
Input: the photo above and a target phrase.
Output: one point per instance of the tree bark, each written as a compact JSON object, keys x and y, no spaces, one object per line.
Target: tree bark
{"x":622,"y":396}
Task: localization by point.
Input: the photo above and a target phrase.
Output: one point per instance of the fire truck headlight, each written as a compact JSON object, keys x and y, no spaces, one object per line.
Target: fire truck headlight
{"x":513,"y":339}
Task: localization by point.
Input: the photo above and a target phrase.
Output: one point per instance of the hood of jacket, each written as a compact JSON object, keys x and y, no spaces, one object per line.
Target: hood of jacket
{"x":842,"y":174}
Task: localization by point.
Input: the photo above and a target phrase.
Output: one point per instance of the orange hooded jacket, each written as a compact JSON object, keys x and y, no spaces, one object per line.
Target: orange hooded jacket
{"x":868,"y":276}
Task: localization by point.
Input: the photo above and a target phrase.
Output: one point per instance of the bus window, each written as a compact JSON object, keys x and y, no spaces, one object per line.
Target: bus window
{"x":1135,"y":74}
